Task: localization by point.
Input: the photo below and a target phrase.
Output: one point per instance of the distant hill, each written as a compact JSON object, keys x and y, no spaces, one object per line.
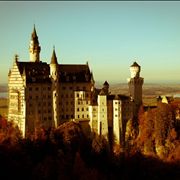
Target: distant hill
{"x":122,"y":88}
{"x":3,"y":88}
{"x":148,"y":89}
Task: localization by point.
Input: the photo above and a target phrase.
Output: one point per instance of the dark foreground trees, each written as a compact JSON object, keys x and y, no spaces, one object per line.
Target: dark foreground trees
{"x":66,"y":153}
{"x":158,"y":133}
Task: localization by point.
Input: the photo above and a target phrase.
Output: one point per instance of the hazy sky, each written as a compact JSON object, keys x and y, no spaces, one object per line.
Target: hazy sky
{"x":109,"y":35}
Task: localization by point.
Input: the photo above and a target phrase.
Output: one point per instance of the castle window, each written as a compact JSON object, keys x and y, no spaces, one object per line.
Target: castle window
{"x":49,"y":111}
{"x":37,"y":88}
{"x":66,"y":95}
{"x":49,"y":118}
{"x":116,"y":109}
{"x":33,"y":79}
{"x":83,"y":116}
{"x":30,"y":97}
{"x":87,"y":95}
{"x":49,"y":96}
{"x":45,"y":118}
{"x":72,"y":116}
{"x":87,"y":109}
{"x":70,"y":87}
{"x":77,"y":94}
{"x":39,"y":111}
{"x":63,"y":87}
{"x":49,"y":88}
{"x":62,"y":95}
{"x":84,"y":88}
{"x":77,"y":88}
{"x":67,"y":116}
{"x":78,"y":116}
{"x":116,"y":115}
{"x":72,"y":95}
{"x":30,"y":88}
{"x":67,"y":78}
{"x":82,"y":109}
{"x":77,"y":109}
{"x":87,"y":116}
{"x":115,"y":102}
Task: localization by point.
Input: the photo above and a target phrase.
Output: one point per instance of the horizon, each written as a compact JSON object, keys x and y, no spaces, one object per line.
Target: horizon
{"x":109,"y":35}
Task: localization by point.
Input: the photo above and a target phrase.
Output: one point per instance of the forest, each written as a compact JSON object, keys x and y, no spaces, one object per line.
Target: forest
{"x":151,"y":152}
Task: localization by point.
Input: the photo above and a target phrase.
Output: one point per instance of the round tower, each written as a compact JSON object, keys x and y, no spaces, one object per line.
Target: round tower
{"x":135,"y":70}
{"x":34,"y":47}
{"x":55,"y":88}
{"x":135,"y":87}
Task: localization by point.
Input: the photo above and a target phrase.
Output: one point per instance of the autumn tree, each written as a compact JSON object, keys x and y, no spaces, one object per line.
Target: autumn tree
{"x":164,"y":122}
{"x":9,"y":132}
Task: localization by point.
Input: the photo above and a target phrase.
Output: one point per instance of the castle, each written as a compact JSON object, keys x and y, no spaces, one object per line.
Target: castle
{"x":47,"y":95}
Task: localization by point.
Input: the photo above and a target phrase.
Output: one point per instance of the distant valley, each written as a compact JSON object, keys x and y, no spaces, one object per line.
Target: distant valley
{"x":150,"y":91}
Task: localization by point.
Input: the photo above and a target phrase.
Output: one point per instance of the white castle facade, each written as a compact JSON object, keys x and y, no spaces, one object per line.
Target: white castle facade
{"x":48,"y":95}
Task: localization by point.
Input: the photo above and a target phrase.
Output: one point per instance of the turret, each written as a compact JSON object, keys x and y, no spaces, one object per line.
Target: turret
{"x":135,"y":70}
{"x":34,"y":47}
{"x":55,"y":88}
{"x":106,"y":87}
{"x":135,"y":87}
{"x":54,"y":66}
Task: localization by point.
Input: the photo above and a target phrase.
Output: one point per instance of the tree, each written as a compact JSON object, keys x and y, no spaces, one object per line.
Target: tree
{"x":164,"y":122}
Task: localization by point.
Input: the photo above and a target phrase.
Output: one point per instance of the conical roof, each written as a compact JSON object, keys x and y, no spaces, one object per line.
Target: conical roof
{"x":135,"y":64}
{"x":54,"y":58}
{"x":34,"y":36}
{"x":106,"y":83}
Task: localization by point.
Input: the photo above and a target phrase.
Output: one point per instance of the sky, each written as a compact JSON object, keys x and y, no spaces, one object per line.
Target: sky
{"x":110,"y":35}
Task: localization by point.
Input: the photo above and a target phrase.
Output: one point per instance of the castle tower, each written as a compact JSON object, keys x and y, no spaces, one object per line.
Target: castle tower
{"x":135,"y":87}
{"x":106,"y":87}
{"x":54,"y":71}
{"x":102,"y":114}
{"x":34,"y":47}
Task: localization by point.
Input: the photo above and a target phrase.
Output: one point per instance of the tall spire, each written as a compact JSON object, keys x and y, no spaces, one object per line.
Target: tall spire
{"x":34,"y":34}
{"x":54,"y":58}
{"x":34,"y":48}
